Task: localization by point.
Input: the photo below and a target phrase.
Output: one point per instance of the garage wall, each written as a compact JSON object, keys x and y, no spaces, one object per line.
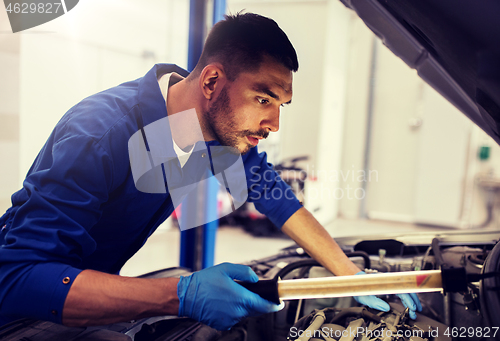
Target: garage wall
{"x":442,"y":157}
{"x":9,"y":113}
{"x":361,"y":41}
{"x":393,"y":144}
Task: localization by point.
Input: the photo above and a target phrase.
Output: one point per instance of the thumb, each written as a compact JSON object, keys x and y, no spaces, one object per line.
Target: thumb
{"x":260,"y":305}
{"x":240,"y":272}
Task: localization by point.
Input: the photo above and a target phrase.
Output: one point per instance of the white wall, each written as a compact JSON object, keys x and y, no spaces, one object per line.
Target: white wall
{"x":357,"y":90}
{"x":333,"y":108}
{"x":393,"y":143}
{"x":442,"y":157}
{"x":9,"y":113}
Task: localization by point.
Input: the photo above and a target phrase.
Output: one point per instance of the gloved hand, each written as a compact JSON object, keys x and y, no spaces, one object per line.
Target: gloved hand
{"x":212,"y":297}
{"x":409,"y":301}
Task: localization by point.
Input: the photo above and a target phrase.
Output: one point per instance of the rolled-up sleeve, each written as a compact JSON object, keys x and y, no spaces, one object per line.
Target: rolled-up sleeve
{"x":47,"y":237}
{"x":270,"y":194}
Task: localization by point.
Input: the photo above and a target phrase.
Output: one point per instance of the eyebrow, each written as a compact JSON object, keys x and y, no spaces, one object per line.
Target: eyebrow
{"x":264,"y":89}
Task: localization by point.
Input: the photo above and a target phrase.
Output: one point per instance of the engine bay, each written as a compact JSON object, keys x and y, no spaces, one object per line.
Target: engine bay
{"x":470,"y":315}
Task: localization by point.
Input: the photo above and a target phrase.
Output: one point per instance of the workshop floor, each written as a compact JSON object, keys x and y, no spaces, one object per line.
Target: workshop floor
{"x":235,"y":245}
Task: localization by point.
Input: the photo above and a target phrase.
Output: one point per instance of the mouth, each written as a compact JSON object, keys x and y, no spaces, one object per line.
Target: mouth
{"x":253,"y":140}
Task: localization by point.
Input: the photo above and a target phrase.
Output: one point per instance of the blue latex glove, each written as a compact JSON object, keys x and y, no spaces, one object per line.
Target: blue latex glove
{"x":409,"y":301}
{"x":212,"y":296}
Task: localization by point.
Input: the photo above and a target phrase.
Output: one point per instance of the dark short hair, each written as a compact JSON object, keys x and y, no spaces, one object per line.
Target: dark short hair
{"x":240,"y":42}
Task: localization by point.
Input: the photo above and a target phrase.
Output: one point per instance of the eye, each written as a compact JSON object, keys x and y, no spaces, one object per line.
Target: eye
{"x":263,"y":100}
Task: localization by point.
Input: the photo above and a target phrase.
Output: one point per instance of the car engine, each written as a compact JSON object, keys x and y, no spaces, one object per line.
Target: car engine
{"x":470,"y":315}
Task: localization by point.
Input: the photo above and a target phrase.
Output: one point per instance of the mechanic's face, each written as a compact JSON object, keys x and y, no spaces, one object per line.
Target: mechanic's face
{"x":247,"y":109}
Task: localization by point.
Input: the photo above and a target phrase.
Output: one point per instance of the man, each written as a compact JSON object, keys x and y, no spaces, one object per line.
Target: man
{"x":80,"y":216}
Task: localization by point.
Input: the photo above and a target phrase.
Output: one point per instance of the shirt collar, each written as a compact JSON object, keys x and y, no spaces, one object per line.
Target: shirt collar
{"x":151,"y":102}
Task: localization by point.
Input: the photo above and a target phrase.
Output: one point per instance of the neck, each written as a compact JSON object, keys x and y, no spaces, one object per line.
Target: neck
{"x":182,"y":96}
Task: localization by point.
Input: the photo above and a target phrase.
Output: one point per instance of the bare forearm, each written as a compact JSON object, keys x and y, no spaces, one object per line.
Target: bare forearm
{"x":96,"y":298}
{"x":315,"y":240}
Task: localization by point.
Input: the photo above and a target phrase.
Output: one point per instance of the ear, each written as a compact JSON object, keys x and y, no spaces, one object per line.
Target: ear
{"x":212,"y":78}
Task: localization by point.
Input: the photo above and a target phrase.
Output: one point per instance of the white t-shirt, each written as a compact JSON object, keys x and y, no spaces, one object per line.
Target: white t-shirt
{"x":165,"y":82}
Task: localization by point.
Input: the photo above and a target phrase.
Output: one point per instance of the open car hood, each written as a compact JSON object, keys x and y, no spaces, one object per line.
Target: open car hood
{"x":453,"y":44}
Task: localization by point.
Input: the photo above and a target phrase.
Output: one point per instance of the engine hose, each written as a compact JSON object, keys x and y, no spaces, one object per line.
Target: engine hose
{"x":356,"y":311}
{"x":296,"y":265}
{"x":318,"y":320}
{"x":437,"y":254}
{"x":295,"y":252}
{"x":311,"y":262}
{"x":363,"y":255}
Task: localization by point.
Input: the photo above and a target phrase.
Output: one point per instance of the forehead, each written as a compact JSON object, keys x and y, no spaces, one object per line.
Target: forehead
{"x":270,"y":75}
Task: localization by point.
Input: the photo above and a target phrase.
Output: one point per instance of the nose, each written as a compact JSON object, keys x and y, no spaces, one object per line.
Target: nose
{"x":272,"y":121}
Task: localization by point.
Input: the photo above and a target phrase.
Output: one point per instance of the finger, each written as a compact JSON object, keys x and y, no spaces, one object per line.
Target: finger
{"x":373,"y":302}
{"x":408,"y":301}
{"x":240,"y":272}
{"x":379,"y":304}
{"x":417,"y":301}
